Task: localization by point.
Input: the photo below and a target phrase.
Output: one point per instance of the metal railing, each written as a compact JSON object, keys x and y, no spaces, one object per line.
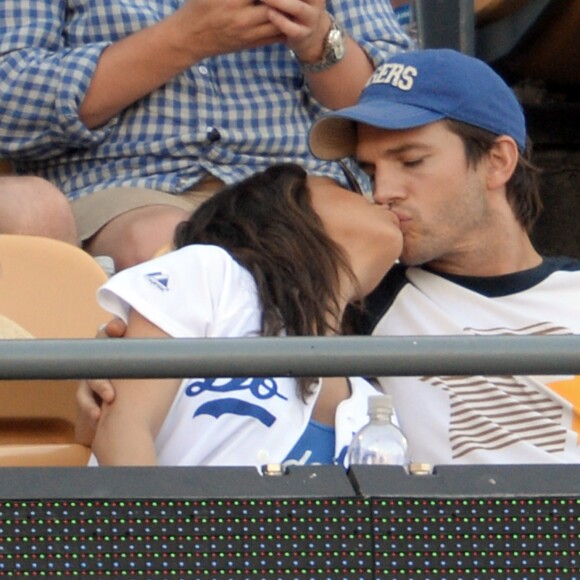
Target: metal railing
{"x":308,"y":356}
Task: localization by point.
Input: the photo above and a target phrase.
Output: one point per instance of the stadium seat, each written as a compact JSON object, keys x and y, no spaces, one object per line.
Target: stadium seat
{"x":47,"y":288}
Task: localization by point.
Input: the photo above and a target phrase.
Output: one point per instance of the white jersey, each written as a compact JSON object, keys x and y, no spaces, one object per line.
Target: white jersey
{"x":200,"y":291}
{"x":477,"y":419}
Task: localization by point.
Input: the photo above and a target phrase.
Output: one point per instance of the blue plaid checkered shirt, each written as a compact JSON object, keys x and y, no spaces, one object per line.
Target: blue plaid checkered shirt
{"x":227,"y":116}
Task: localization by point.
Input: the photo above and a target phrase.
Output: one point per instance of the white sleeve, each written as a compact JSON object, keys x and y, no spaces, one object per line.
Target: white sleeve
{"x":197,"y":291}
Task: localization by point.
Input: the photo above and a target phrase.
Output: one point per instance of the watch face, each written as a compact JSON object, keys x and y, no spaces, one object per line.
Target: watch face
{"x":334,"y":51}
{"x":336,"y":43}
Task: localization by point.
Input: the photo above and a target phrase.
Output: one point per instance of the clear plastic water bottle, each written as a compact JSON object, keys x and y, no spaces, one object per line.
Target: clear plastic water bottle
{"x":380,"y":441}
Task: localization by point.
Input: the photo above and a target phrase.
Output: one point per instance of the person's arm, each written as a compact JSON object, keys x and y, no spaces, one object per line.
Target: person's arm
{"x":375,"y":35}
{"x":306,"y":24}
{"x":329,"y":87}
{"x":36,"y":92}
{"x":57,"y":89}
{"x":135,"y":66}
{"x":128,"y":426}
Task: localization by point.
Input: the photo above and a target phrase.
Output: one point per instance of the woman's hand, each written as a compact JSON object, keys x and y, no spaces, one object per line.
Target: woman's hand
{"x":92,"y":393}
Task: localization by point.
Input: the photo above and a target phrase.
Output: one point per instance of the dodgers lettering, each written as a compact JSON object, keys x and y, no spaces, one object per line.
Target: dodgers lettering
{"x":399,"y":76}
{"x":260,"y":388}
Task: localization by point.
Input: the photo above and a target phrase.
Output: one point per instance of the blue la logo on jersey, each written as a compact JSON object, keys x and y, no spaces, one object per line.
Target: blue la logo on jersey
{"x":258,"y":388}
{"x":219,"y":407}
{"x":159,"y":279}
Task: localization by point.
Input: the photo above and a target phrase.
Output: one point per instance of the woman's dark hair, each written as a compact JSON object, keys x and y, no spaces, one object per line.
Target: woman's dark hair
{"x":522,"y":190}
{"x":267,"y":224}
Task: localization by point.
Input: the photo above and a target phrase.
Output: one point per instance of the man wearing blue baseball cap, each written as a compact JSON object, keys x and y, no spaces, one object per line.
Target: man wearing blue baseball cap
{"x":444,"y":141}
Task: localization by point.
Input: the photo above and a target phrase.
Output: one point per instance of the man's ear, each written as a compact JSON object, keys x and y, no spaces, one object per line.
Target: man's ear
{"x":502,"y":159}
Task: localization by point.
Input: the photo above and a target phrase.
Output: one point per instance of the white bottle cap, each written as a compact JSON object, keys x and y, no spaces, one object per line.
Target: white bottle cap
{"x":380,"y":405}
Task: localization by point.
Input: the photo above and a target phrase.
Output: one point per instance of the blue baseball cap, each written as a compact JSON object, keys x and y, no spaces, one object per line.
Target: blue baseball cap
{"x":416,"y":88}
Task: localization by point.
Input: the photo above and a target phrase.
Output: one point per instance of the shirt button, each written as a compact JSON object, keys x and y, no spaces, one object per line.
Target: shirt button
{"x":213,"y":135}
{"x":203,"y":70}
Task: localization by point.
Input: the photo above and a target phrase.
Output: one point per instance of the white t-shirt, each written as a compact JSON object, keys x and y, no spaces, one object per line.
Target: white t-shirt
{"x":201,"y":291}
{"x":491,"y":419}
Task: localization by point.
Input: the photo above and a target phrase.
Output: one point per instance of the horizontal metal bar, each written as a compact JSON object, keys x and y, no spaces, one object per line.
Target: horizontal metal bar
{"x":308,"y":356}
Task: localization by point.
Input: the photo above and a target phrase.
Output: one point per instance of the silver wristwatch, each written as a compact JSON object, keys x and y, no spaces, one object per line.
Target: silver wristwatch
{"x":333,"y":51}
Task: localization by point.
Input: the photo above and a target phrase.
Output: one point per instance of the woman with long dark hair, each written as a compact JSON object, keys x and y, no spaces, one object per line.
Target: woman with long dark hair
{"x":265,"y":257}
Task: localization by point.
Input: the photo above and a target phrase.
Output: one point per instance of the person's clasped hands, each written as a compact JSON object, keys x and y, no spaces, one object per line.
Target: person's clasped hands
{"x":233,"y":25}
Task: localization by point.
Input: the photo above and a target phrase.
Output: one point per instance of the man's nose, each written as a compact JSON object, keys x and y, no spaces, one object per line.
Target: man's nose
{"x":387,"y":189}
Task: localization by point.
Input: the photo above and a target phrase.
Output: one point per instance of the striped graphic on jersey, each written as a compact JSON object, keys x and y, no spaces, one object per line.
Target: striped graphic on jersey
{"x":539,"y":329}
{"x":494,"y":412}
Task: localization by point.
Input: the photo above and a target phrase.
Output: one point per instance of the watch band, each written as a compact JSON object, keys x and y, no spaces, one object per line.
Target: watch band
{"x":333,"y":50}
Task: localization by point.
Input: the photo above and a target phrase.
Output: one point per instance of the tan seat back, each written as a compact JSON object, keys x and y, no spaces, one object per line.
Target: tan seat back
{"x":48,"y":288}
